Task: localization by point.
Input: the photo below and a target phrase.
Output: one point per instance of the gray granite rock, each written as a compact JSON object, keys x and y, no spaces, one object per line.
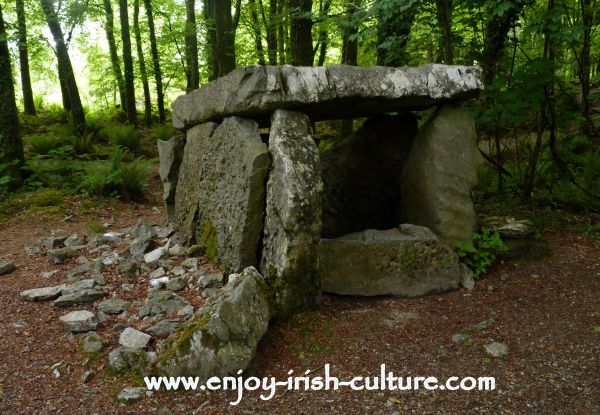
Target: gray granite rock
{"x":80,"y":321}
{"x":6,"y":267}
{"x":42,"y":294}
{"x":113,"y":306}
{"x":134,"y":339}
{"x":78,"y":297}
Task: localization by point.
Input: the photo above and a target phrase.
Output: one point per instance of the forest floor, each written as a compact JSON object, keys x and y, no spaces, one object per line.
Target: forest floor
{"x":546,"y":312}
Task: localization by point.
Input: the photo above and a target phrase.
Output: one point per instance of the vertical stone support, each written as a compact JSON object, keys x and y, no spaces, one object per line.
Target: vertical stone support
{"x":439,"y":174}
{"x":221,"y":192}
{"x":170,"y":154}
{"x":293,"y":214}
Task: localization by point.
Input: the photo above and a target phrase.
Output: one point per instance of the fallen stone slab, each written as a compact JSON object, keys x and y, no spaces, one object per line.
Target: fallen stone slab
{"x":42,"y":294}
{"x":113,"y":306}
{"x":6,"y":267}
{"x":60,"y":255}
{"x":134,"y":339}
{"x":222,"y":336}
{"x":78,"y":286}
{"x":333,"y":92}
{"x":78,"y":297}
{"x":80,"y":321}
{"x":405,"y":261}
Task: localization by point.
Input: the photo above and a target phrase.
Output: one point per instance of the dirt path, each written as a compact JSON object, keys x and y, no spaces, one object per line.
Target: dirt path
{"x":544,"y":312}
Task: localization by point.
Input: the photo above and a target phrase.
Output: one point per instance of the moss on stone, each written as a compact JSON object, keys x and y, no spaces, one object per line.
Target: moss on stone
{"x":209,"y":239}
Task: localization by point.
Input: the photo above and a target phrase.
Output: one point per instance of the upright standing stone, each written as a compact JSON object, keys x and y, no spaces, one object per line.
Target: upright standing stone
{"x":188,"y":184}
{"x":293,"y":214}
{"x":439,"y":174}
{"x":220,"y":194}
{"x":170,"y":154}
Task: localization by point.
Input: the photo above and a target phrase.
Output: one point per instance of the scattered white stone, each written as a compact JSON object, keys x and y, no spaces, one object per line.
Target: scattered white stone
{"x":133,"y":338}
{"x":49,"y":274}
{"x":467,"y":278}
{"x":496,"y":349}
{"x":155,"y":255}
{"x":157,"y":273}
{"x":42,"y":294}
{"x":80,"y":321}
{"x":130,"y":395}
{"x":157,"y":282}
{"x":112,"y":236}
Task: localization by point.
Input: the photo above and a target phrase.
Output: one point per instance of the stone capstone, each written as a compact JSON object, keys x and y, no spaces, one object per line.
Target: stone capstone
{"x":220,"y":194}
{"x":170,"y":154}
{"x":293,"y":214}
{"x":221,"y":338}
{"x":361,"y":175}
{"x":439,"y":174}
{"x":338,"y":91}
{"x":406,"y":261}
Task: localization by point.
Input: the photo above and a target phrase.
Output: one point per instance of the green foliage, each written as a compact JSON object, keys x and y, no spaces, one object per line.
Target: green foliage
{"x":117,"y":177}
{"x":5,"y":176}
{"x":43,"y":144}
{"x":95,"y":227}
{"x":163,"y":132}
{"x":126,"y":136}
{"x":82,"y":145}
{"x":481,"y":253}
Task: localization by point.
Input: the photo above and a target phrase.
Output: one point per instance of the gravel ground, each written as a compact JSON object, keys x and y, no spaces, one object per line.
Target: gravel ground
{"x":544,"y":312}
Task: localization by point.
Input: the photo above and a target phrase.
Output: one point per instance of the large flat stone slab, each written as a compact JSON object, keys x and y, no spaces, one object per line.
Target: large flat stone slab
{"x":405,"y":261}
{"x":337,"y":91}
{"x":293,"y":214}
{"x":439,"y":174}
{"x":220,"y":195}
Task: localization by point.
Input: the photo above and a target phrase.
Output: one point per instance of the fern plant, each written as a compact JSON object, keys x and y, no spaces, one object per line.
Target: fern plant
{"x":481,"y":253}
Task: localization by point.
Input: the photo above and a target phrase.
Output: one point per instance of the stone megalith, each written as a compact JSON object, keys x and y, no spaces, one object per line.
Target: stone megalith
{"x":293,"y":214}
{"x":439,"y":174}
{"x":325,"y":92}
{"x":361,"y":175}
{"x":170,"y":154}
{"x":220,"y":195}
{"x":406,"y":261}
{"x":222,"y":336}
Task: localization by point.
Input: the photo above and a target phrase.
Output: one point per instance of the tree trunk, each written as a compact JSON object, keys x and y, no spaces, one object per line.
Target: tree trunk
{"x":324,"y":12}
{"x":496,"y":31}
{"x":301,"y":46}
{"x":142,"y":63}
{"x":281,"y":32}
{"x":260,"y":52}
{"x":127,"y":64}
{"x":444,"y":17}
{"x":62,"y":55}
{"x":11,"y":146}
{"x":112,"y":48}
{"x":155,"y":62}
{"x":64,"y":89}
{"x":191,"y":46}
{"x":225,"y":37}
{"x":393,"y":29}
{"x":349,"y":53}
{"x":28,"y":104}
{"x":271,"y":27}
{"x":211,"y":39}
{"x":585,"y":61}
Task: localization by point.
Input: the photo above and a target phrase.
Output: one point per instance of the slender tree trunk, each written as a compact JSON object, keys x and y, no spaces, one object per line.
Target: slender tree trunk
{"x":393,"y":29}
{"x":271,"y":27}
{"x":496,"y":32}
{"x":11,"y":146}
{"x":281,"y":32}
{"x":142,"y":63}
{"x":191,"y":46}
{"x":28,"y":104}
{"x":260,"y":52}
{"x":349,"y":53}
{"x":109,"y":28}
{"x":323,"y":35}
{"x":62,"y":54}
{"x":444,"y":17}
{"x":155,"y":62}
{"x":225,"y":37}
{"x":585,"y":61}
{"x":211,"y":39}
{"x":127,"y":63}
{"x":301,"y":46}
{"x":64,"y":89}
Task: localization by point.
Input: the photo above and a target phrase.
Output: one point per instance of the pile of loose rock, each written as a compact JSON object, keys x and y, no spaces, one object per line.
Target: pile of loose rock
{"x":114,"y":272}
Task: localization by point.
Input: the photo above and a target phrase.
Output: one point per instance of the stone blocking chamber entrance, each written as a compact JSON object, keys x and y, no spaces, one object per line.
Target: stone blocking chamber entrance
{"x":370,"y":216}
